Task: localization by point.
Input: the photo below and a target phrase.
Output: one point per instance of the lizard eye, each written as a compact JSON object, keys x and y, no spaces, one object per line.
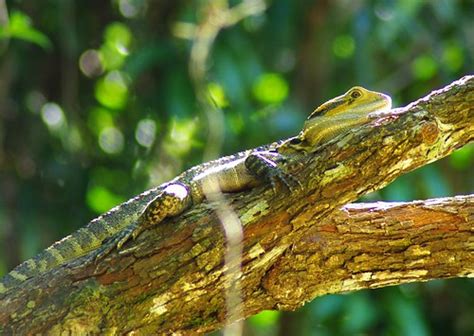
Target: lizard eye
{"x":355,"y":94}
{"x":295,"y":141}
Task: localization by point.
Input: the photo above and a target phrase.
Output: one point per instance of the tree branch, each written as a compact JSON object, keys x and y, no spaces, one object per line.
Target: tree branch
{"x":371,"y":245}
{"x":296,"y":247}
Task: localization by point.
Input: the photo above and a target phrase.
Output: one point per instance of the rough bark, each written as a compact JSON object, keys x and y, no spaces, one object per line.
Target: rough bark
{"x":295,"y":248}
{"x":371,"y":245}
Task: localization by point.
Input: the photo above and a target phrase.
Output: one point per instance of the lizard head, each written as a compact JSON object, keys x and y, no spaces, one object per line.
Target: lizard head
{"x":335,"y":116}
{"x":293,"y":145}
{"x":356,"y":100}
{"x":340,"y":114}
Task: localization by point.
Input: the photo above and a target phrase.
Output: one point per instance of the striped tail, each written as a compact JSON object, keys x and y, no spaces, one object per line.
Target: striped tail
{"x":79,"y":243}
{"x":69,"y":248}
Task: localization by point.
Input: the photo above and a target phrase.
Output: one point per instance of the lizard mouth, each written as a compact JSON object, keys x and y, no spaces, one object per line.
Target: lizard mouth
{"x":383,"y":103}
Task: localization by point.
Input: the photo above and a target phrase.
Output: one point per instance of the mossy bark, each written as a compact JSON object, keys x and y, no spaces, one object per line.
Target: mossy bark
{"x":295,"y":246}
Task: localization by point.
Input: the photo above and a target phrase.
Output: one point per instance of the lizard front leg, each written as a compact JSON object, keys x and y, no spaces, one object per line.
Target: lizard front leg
{"x":265,"y":166}
{"x":171,"y":201}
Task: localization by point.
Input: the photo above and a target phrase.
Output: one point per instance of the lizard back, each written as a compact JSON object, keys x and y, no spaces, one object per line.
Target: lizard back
{"x":92,"y":236}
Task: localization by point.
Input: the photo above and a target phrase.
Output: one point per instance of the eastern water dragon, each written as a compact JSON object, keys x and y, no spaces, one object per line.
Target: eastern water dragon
{"x":234,"y":173}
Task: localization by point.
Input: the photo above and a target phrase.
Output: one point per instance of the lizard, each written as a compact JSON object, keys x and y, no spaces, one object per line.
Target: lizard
{"x":239,"y":172}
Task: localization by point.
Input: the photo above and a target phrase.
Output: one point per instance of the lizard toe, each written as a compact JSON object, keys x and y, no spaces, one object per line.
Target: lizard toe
{"x":116,"y":242}
{"x":291,"y":183}
{"x":282,"y":178}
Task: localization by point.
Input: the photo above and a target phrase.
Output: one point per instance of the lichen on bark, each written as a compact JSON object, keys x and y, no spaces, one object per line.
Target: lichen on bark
{"x":296,"y":246}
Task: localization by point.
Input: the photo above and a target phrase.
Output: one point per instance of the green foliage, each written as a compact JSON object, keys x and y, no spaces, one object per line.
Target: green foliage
{"x":343,"y":46}
{"x":270,"y":88}
{"x":217,"y":95}
{"x":424,"y":67}
{"x":100,"y":199}
{"x":463,"y":159}
{"x":265,"y":319}
{"x":20,"y":27}
{"x":111,"y":90}
{"x":97,"y":105}
{"x":114,"y":51}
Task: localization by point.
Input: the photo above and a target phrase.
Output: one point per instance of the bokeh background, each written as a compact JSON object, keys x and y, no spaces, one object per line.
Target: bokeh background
{"x":100,"y":100}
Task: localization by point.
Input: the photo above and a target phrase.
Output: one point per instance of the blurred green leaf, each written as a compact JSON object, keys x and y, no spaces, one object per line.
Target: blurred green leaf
{"x":110,"y":58}
{"x":20,"y":27}
{"x":270,"y":88}
{"x":453,"y":57}
{"x":410,"y":7}
{"x":99,"y":118}
{"x":424,"y":67}
{"x":180,"y":138}
{"x":265,"y":318}
{"x":100,"y":199}
{"x":217,"y":94}
{"x":236,"y":122}
{"x":115,"y":48}
{"x":463,"y":158}
{"x":108,"y":177}
{"x":112,"y":91}
{"x":118,"y":35}
{"x":343,"y":46}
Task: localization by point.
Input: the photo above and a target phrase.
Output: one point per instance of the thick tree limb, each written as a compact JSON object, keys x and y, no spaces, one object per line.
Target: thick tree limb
{"x":371,"y":245}
{"x":296,"y":247}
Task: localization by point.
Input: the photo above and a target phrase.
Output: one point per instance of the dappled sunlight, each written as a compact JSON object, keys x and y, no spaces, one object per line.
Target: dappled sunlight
{"x":145,"y":132}
{"x":111,"y":140}
{"x":112,"y":91}
{"x":100,"y":102}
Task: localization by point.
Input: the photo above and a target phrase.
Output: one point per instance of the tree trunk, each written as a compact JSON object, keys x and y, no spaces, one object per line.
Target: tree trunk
{"x":295,"y":247}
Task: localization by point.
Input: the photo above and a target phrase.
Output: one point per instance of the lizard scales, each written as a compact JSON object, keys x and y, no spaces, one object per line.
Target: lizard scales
{"x":232,"y":173}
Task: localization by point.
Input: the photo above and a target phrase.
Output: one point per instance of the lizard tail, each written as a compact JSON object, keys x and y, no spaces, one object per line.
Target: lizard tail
{"x":81,"y":242}
{"x":71,"y":247}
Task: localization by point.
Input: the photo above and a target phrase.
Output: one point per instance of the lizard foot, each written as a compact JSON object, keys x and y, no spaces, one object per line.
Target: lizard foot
{"x":173,"y":200}
{"x":116,"y":241}
{"x":268,"y":166}
{"x":277,"y":176}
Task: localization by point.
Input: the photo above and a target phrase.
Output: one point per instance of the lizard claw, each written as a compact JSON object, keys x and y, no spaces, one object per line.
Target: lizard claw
{"x":135,"y":233}
{"x":278,"y":176}
{"x":125,"y":235}
{"x":118,"y":241}
{"x":104,"y":250}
